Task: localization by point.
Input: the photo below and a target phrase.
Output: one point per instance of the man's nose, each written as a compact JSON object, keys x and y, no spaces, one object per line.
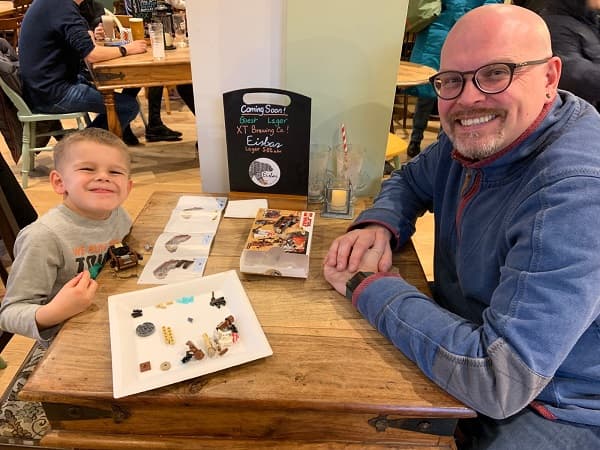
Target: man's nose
{"x":471,"y":93}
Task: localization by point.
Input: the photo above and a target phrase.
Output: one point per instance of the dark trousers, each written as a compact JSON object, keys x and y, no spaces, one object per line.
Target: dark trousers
{"x":155,"y":93}
{"x":423,"y":110}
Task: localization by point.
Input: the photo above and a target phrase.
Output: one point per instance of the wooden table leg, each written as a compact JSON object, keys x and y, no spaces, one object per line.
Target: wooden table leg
{"x":111,"y":112}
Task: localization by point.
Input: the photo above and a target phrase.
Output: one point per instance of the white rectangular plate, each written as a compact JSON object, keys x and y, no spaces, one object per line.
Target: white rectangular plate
{"x":185,"y":308}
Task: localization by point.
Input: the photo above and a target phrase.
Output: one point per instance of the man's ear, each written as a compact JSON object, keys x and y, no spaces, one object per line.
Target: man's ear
{"x":57,"y":182}
{"x":553,"y":75}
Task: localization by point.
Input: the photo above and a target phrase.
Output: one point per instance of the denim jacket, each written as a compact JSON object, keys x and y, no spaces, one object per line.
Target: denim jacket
{"x":515,"y":318}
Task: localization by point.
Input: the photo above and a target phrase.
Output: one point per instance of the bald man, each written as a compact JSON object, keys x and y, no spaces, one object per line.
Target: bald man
{"x":513,"y":327}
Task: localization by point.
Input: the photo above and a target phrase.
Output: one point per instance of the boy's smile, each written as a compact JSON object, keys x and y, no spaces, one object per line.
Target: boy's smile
{"x":94,"y":179}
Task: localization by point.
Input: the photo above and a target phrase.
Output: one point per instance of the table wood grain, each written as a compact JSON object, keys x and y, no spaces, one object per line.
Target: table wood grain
{"x":330,"y":372}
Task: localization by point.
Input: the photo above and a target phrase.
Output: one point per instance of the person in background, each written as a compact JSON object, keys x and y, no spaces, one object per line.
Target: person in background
{"x":511,"y":328}
{"x":92,"y":11}
{"x":53,"y":41}
{"x":533,"y":5}
{"x":144,"y":10}
{"x":575,"y":30}
{"x":49,"y":281}
{"x":426,"y":51}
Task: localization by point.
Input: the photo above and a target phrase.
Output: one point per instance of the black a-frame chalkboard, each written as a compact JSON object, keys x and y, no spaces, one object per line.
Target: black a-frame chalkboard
{"x":268,"y":142}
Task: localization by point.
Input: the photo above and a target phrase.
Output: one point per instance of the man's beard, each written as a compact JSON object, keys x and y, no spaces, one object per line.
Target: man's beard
{"x":476,"y":147}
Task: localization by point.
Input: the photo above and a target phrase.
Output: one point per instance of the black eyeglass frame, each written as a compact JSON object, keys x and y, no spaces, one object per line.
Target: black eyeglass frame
{"x":511,"y":66}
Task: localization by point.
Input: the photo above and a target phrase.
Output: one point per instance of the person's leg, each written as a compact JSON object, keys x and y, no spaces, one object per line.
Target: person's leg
{"x":186,"y":92}
{"x":157,"y":130}
{"x":83,"y":97}
{"x":423,"y":109}
{"x":527,"y":430}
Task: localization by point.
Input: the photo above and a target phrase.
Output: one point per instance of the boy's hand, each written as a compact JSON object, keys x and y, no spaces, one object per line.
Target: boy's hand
{"x":75,"y":296}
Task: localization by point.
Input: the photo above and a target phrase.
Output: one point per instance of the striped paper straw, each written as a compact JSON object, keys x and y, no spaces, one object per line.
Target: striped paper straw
{"x":344,"y":142}
{"x":345,"y":145}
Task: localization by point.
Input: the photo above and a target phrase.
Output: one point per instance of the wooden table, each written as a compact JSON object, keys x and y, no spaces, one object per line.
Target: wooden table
{"x":410,"y":74}
{"x":332,"y":382}
{"x":6,"y":9}
{"x":139,"y":71}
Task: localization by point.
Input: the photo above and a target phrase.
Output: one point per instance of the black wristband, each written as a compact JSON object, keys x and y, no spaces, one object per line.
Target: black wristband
{"x":123,"y":50}
{"x":353,"y":282}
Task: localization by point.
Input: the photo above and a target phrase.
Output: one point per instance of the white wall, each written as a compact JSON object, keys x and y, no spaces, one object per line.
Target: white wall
{"x":234,"y":44}
{"x":341,"y":53}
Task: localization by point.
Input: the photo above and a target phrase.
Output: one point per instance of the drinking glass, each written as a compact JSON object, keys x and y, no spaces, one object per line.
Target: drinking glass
{"x":157,"y":39}
{"x":109,"y":28}
{"x":317,"y":172}
{"x":137,"y":28}
{"x":180,"y":29}
{"x":349,"y":163}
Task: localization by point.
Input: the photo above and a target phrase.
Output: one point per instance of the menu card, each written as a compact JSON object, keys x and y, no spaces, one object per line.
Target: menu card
{"x":268,"y":142}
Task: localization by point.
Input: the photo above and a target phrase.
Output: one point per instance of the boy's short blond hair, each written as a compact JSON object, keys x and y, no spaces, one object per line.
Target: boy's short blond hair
{"x":97,"y":135}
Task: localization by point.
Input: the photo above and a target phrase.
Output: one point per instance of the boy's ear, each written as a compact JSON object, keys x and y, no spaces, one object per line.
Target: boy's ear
{"x":57,"y":182}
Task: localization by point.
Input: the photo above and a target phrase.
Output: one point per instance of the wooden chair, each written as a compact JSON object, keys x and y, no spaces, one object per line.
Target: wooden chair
{"x":8,"y":232}
{"x":21,"y":6}
{"x":407,"y":45}
{"x":30,"y":134}
{"x":9,"y":29}
{"x":396,"y":148}
{"x":16,"y":212}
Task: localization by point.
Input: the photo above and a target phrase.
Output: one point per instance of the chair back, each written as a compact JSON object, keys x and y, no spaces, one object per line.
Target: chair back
{"x":9,"y":29}
{"x":16,"y":99}
{"x":8,"y":232}
{"x":21,"y":6}
{"x":16,"y":212}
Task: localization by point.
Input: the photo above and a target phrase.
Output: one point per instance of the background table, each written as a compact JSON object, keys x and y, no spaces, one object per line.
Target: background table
{"x":332,"y":381}
{"x":139,"y":71}
{"x":410,"y":74}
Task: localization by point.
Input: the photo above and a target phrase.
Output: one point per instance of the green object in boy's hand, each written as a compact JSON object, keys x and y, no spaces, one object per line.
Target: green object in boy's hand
{"x":95,"y":270}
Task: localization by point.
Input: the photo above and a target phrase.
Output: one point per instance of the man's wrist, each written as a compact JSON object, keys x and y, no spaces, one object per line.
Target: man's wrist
{"x":123,"y":50}
{"x":355,"y":281}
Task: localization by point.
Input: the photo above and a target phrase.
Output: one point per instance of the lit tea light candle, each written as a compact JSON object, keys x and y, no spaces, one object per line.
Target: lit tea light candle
{"x":339,"y":199}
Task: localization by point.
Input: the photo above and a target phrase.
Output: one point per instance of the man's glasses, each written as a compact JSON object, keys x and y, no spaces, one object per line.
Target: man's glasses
{"x":489,"y":79}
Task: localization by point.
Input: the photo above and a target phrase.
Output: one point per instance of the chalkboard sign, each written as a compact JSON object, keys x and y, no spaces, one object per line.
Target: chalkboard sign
{"x":268,"y":143}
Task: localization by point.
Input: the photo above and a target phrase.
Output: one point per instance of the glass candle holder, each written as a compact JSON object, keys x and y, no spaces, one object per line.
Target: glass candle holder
{"x":338,"y":199}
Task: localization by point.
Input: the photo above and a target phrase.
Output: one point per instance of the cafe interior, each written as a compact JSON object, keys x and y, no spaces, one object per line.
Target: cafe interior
{"x":197,"y":164}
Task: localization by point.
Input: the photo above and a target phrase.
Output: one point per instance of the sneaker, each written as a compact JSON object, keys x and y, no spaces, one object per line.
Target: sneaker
{"x":129,"y":138}
{"x":162,"y":133}
{"x":413,"y":149}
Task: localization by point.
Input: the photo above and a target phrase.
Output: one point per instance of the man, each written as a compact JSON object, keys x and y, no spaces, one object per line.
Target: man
{"x":92,"y":11}
{"x":426,"y":51}
{"x":514,"y":185}
{"x":54,"y":38}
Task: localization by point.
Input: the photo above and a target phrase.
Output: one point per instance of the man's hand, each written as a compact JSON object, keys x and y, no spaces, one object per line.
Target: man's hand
{"x":136,"y":47}
{"x":338,"y":278}
{"x":348,"y":250}
{"x":75,"y":296}
{"x":99,"y":32}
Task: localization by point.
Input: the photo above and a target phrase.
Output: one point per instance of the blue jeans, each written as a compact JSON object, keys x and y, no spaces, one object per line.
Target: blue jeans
{"x":528,"y":430}
{"x":84,"y":97}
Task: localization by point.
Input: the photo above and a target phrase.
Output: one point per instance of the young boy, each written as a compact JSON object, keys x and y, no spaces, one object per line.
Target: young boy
{"x":50,"y":281}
